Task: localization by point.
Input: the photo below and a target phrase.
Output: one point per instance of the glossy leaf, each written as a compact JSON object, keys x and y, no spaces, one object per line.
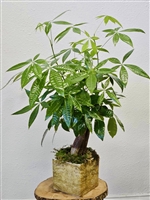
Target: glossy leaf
{"x":99,"y":129}
{"x":113,"y":97}
{"x":133,"y":30}
{"x":33,"y":116}
{"x":100,"y":98}
{"x":126,"y":39}
{"x":137,"y":70}
{"x":34,"y":92}
{"x":57,"y":81}
{"x":76,"y":103}
{"x":22,"y":111}
{"x":67,"y":112}
{"x":76,"y":30}
{"x":112,"y":127}
{"x":62,"y":34}
{"x":118,"y":81}
{"x":26,"y":75}
{"x":48,"y":28}
{"x":106,"y":70}
{"x":102,"y":63}
{"x":88,"y":123}
{"x":53,"y":107}
{"x":84,"y":98}
{"x":127,"y":55}
{"x":115,"y":39}
{"x":65,"y":56}
{"x":37,"y":71}
{"x":124,"y":75}
{"x":114,"y":60}
{"x":62,"y":22}
{"x":112,"y":19}
{"x":104,"y":111}
{"x":19,"y":65}
{"x":91,"y":82}
{"x":85,"y":46}
{"x":120,"y":123}
{"x":76,"y":78}
{"x":60,"y":14}
{"x":36,"y":56}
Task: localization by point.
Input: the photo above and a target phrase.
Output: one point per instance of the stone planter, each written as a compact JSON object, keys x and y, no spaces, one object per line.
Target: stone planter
{"x":75,"y":179}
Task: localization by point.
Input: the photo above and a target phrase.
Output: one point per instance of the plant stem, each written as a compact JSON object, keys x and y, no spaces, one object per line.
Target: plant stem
{"x":80,"y":143}
{"x":52,"y":47}
{"x":106,"y":41}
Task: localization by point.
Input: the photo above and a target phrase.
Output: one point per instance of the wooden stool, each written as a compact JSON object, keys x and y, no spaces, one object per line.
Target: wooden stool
{"x":45,"y":191}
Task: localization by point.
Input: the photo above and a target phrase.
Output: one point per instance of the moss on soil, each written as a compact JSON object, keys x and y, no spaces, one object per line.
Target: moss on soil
{"x":64,"y":155}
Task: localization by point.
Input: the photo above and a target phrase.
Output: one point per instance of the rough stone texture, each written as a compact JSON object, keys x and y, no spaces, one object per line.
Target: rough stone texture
{"x":75,"y":179}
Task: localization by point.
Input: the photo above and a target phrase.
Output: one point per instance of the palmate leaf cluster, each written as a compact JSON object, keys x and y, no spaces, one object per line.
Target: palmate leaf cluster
{"x":74,"y":86}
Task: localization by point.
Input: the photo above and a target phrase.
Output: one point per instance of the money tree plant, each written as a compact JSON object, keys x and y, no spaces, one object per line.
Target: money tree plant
{"x":74,"y":86}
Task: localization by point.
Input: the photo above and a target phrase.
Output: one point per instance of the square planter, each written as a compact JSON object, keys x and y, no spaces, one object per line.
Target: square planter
{"x":75,"y":179}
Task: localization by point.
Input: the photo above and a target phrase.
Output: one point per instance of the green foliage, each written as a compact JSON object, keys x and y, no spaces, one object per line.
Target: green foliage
{"x":74,"y":86}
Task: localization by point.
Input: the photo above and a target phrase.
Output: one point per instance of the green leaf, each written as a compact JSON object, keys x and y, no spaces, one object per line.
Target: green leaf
{"x":88,"y":123}
{"x":35,"y":57}
{"x":127,"y":55}
{"x":115,"y":38}
{"x":62,"y":22}
{"x":114,"y":60}
{"x":26,"y":75}
{"x":76,"y":30}
{"x":112,"y":127}
{"x":102,"y":63}
{"x":76,"y":103}
{"x":35,"y":92}
{"x":19,"y":65}
{"x":57,"y":82}
{"x":48,"y":27}
{"x":65,"y":56}
{"x":118,"y":81}
{"x":99,"y":129}
{"x":120,"y":123}
{"x":126,"y":39}
{"x":102,"y":49}
{"x":43,"y":137}
{"x":137,"y":70}
{"x":37,"y":71}
{"x":33,"y":116}
{"x":76,"y":78}
{"x":53,"y":107}
{"x":41,"y":61}
{"x":104,"y":111}
{"x":61,"y":14}
{"x":94,"y":47}
{"x":85,"y":46}
{"x":106,"y":70}
{"x":64,"y":126}
{"x":22,"y":111}
{"x":84,"y":98}
{"x":112,"y":19}
{"x":124,"y":75}
{"x":100,"y":99}
{"x":133,"y":30}
{"x":94,"y":114}
{"x":91,"y":82}
{"x":67,"y":112}
{"x":113,"y":97}
{"x":62,"y":34}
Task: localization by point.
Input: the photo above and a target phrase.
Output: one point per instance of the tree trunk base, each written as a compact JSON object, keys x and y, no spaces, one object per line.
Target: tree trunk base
{"x":45,"y":191}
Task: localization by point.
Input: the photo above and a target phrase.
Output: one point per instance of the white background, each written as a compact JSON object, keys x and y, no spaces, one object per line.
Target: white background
{"x":124,"y":163}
